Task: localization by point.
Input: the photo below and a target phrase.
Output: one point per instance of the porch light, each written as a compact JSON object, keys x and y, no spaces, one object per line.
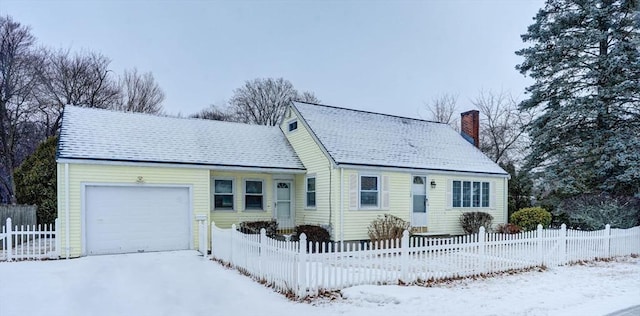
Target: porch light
{"x":433,"y":184}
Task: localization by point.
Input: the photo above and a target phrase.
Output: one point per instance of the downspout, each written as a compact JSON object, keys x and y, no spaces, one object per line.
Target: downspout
{"x":341,"y":209}
{"x":66,"y":207}
{"x":505,"y":194}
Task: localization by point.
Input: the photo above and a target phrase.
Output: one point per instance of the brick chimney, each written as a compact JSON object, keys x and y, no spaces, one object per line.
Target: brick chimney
{"x":470,"y":126}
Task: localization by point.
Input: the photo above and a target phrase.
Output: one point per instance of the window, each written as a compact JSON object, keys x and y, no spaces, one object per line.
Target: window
{"x":311,"y":192}
{"x":293,"y":126}
{"x":470,"y":194}
{"x":253,"y":195}
{"x":223,"y":194}
{"x":369,"y":191}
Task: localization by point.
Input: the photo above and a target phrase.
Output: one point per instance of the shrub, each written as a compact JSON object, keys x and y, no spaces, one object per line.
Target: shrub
{"x":315,"y":234}
{"x":508,"y":229}
{"x":254,"y":227}
{"x":472,"y":221}
{"x":529,"y":218}
{"x":594,"y":211}
{"x":387,"y":227}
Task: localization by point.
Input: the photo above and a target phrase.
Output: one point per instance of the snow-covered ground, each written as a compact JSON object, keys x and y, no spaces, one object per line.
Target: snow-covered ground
{"x":182,"y":283}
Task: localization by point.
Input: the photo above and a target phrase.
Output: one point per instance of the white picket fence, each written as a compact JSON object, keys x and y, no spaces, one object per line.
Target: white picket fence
{"x":28,"y":242}
{"x":289,"y":267}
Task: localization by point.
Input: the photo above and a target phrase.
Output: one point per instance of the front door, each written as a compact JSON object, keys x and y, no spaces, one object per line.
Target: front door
{"x":284,"y":203}
{"x":420,"y":201}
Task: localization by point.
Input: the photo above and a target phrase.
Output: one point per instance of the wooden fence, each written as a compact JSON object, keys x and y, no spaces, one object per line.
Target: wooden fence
{"x":28,"y":242}
{"x":21,"y":215}
{"x":291,"y":268}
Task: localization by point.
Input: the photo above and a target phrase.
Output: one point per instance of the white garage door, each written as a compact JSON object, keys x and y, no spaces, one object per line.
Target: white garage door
{"x":121,"y":219}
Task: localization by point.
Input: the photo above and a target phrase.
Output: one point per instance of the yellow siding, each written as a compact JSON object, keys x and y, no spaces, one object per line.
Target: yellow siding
{"x":356,"y":221}
{"x":440,"y":218}
{"x":225,"y":218}
{"x":316,"y":163}
{"x":88,"y":173}
{"x":444,"y":219}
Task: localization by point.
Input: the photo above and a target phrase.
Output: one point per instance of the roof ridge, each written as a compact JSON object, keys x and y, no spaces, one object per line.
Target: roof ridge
{"x":166,"y":116}
{"x":369,"y":112}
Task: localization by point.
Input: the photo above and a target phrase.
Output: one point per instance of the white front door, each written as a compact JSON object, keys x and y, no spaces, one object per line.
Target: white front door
{"x":420,"y":201}
{"x":284,"y":203}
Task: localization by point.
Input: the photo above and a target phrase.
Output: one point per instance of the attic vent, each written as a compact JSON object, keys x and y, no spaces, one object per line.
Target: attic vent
{"x":293,"y":125}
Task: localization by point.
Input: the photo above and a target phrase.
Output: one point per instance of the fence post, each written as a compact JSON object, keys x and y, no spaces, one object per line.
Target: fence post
{"x":213,"y":225}
{"x":231,"y":239}
{"x":607,"y":241}
{"x":263,"y":242}
{"x":404,"y":258}
{"x":302,"y":264}
{"x":539,"y":244}
{"x":563,"y":244}
{"x":482,"y":245}
{"x":9,"y":240}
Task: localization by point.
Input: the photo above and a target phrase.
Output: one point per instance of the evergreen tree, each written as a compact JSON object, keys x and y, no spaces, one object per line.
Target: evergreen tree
{"x":36,"y":181}
{"x":584,"y":56}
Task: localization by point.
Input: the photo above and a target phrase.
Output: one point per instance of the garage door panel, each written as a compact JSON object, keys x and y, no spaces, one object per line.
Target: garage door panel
{"x":122,"y":219}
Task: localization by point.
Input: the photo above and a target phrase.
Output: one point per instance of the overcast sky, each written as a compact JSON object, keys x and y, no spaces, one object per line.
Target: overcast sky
{"x":383,"y":56}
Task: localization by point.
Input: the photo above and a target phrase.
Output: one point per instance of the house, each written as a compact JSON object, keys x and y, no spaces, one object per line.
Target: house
{"x":132,"y":182}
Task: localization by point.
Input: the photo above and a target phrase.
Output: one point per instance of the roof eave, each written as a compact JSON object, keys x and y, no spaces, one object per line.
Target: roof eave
{"x":420,"y":170}
{"x":171,"y":164}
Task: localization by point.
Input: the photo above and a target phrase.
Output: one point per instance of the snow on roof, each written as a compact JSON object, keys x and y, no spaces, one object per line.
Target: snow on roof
{"x":118,"y":136}
{"x":373,"y":139}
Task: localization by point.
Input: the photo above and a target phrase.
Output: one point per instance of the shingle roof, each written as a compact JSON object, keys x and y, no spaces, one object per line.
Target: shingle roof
{"x":118,"y":136}
{"x":373,"y":139}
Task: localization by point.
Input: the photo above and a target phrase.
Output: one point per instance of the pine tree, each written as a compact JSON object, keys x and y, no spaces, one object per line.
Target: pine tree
{"x":584,"y":57}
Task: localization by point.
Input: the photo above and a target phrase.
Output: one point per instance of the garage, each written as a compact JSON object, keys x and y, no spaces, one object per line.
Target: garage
{"x":139,"y":218}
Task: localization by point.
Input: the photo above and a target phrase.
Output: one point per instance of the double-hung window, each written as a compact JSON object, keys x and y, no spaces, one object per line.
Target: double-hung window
{"x":223,"y":194}
{"x":254,"y":195}
{"x":311,"y":192}
{"x":470,"y":194}
{"x":369,"y":191}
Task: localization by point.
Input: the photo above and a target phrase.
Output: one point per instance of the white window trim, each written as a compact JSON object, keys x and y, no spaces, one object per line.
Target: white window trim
{"x":471,"y":197}
{"x":306,"y":204}
{"x":233,"y":193}
{"x":379,"y":190}
{"x":244,"y":195}
{"x":289,"y":124}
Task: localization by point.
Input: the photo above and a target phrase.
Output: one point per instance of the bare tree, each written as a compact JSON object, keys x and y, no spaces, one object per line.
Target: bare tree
{"x":502,"y":132}
{"x":140,"y":93}
{"x":215,"y":113}
{"x":442,"y":109}
{"x":263,"y":101}
{"x":82,"y":79}
{"x":19,"y":64}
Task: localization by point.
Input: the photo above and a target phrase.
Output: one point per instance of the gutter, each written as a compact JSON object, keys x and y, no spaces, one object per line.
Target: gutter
{"x":181,"y":165}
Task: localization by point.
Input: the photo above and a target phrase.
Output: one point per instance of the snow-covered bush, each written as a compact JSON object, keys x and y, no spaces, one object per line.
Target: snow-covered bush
{"x":387,"y":227}
{"x":594,"y":211}
{"x":528,"y":218}
{"x":254,"y":227}
{"x":472,"y":221}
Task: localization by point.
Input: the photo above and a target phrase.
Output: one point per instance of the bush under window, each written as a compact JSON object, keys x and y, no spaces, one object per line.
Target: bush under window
{"x":472,"y":221}
{"x":387,"y":227}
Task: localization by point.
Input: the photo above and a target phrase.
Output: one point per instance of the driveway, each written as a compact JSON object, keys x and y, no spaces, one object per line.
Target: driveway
{"x":162,"y":283}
